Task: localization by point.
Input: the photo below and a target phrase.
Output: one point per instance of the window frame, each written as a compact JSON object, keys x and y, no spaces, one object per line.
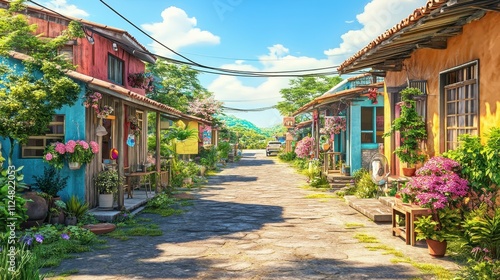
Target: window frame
{"x":113,"y":63}
{"x":469,"y":88}
{"x":374,"y":130}
{"x":46,"y":137}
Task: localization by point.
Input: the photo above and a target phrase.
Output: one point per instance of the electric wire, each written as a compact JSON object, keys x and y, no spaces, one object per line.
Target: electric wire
{"x":218,"y":71}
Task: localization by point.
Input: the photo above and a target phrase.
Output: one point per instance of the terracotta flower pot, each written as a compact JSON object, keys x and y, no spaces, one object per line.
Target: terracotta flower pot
{"x":436,"y":248}
{"x":409,"y":172}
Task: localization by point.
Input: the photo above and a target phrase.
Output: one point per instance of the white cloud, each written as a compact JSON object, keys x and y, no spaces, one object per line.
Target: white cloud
{"x":177,"y":30}
{"x":66,"y":9}
{"x":377,"y":17}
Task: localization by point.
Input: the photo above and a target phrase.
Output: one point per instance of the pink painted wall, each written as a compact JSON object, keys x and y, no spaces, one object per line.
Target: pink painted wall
{"x":91,"y":59}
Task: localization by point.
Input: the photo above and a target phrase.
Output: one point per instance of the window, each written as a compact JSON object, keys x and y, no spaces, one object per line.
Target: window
{"x":372,"y":125}
{"x":115,"y":69}
{"x":460,"y":97}
{"x":36,"y":144}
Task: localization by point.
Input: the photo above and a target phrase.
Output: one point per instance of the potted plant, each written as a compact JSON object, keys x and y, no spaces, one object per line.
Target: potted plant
{"x":107,"y":183}
{"x":437,"y":186}
{"x":74,"y":210}
{"x":57,"y":212}
{"x":412,"y":131}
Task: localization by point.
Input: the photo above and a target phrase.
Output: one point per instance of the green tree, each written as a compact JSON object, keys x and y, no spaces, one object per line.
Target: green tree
{"x":175,"y":85}
{"x":303,"y":90}
{"x":30,"y":96}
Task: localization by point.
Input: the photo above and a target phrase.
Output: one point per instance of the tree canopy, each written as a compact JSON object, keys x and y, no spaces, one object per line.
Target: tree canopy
{"x":303,"y":90}
{"x":30,"y":96}
{"x":175,"y":85}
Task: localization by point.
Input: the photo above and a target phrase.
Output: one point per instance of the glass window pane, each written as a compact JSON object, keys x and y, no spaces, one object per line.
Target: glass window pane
{"x":366,"y":137}
{"x":366,"y":118}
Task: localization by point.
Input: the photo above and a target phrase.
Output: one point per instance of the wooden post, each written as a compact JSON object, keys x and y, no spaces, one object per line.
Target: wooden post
{"x":158,"y":150}
{"x":121,"y":148}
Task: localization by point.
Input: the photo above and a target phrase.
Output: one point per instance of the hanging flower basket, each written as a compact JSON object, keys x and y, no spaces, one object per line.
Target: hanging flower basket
{"x":141,"y":80}
{"x":74,"y":165}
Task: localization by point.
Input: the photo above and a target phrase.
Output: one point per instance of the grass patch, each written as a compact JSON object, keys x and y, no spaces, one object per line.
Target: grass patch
{"x":125,"y":230}
{"x":365,"y":238}
{"x":353,"y":225}
{"x":164,"y":212}
{"x":320,"y":196}
{"x":437,"y":270}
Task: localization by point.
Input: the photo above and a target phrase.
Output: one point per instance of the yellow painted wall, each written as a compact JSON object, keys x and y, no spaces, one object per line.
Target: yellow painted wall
{"x":480,"y":40}
{"x":189,"y":146}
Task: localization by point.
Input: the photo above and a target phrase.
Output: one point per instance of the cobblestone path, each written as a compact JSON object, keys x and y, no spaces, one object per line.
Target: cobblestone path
{"x":254,"y":221}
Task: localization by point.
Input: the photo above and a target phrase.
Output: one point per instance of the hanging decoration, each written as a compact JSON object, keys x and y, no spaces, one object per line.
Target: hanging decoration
{"x":131,"y":140}
{"x":113,"y":154}
{"x":134,"y":126}
{"x":372,"y":95}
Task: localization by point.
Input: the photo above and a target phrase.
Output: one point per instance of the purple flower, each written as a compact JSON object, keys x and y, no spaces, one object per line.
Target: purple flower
{"x":39,"y":238}
{"x":64,"y":236}
{"x":27,"y":240}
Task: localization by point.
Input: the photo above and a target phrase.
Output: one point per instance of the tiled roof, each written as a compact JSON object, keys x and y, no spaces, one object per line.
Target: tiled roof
{"x":123,"y":92}
{"x":330,"y":98}
{"x":426,"y":27}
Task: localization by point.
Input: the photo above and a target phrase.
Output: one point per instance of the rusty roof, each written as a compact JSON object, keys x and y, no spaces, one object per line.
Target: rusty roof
{"x":125,"y":39}
{"x":427,"y":27}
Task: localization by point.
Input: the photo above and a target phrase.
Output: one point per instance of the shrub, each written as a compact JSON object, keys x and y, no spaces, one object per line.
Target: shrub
{"x":289,"y":156}
{"x":51,"y":182}
{"x":365,"y":188}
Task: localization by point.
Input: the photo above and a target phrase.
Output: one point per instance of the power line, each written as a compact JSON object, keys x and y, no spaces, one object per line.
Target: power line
{"x":212,"y":70}
{"x":248,"y":110}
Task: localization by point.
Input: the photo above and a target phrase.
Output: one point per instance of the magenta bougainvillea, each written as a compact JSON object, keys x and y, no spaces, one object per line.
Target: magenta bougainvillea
{"x":205,"y":107}
{"x":437,"y":184}
{"x":304,"y":147}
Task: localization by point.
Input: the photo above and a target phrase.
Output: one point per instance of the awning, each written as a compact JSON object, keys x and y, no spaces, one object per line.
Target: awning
{"x":427,"y":27}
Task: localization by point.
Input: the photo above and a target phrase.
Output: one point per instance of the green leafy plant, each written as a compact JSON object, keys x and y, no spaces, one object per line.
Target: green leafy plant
{"x":365,"y":188}
{"x":108,"y":181}
{"x":27,"y":264}
{"x":411,"y":127}
{"x":23,"y":113}
{"x":439,"y":229}
{"x":76,"y":208}
{"x":11,"y":187}
{"x":289,"y":156}
{"x":51,"y":181}
{"x":223,"y":149}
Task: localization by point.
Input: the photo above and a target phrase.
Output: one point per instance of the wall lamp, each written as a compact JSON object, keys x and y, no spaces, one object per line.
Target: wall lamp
{"x":115,"y":47}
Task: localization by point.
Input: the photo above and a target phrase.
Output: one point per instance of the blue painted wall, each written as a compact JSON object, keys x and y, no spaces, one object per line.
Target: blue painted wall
{"x":74,"y":129}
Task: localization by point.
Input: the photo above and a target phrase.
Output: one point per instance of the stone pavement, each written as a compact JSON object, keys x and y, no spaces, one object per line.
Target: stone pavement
{"x":254,"y":221}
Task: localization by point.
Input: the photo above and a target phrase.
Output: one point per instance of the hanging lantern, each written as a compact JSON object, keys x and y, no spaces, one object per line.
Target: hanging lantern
{"x":100,"y":131}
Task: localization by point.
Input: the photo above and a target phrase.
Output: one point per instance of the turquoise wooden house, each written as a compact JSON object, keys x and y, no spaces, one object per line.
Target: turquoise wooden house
{"x":359,"y":102}
{"x":107,"y":59}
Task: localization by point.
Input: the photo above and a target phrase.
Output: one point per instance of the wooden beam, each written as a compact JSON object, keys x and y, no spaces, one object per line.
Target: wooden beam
{"x":120,"y":113}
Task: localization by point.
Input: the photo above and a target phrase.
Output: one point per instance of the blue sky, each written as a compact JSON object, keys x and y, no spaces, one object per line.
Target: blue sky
{"x":252,"y":35}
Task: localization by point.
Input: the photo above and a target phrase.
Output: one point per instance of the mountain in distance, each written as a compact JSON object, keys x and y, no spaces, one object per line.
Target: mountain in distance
{"x":232,"y":121}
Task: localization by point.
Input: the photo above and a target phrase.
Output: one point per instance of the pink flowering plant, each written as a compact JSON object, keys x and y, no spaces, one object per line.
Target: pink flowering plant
{"x":79,"y":151}
{"x":304,"y":147}
{"x":334,"y":125}
{"x":439,"y":187}
{"x":141,"y":80}
{"x":91,"y":100}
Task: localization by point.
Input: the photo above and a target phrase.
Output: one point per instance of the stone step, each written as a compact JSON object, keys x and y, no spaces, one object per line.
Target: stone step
{"x":376,"y":209}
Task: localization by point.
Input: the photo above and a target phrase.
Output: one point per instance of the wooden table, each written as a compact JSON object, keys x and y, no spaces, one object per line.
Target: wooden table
{"x":139,"y":175}
{"x":410,"y":213}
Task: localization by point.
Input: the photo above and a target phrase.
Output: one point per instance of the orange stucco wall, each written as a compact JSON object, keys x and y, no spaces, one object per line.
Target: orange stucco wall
{"x":480,"y":40}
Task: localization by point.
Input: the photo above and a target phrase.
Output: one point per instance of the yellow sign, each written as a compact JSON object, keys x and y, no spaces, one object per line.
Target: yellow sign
{"x":188,"y":146}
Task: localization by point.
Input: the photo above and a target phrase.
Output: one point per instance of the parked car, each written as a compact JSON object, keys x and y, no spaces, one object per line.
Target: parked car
{"x":273,"y":147}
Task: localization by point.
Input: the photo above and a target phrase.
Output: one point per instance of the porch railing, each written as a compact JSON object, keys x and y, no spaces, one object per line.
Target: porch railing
{"x":332,"y":162}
